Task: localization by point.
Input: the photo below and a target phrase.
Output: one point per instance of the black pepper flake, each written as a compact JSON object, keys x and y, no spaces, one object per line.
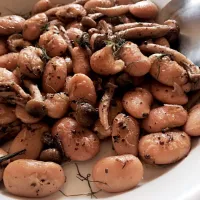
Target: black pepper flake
{"x":162,"y":143}
{"x":73,"y":131}
{"x":33,"y":184}
{"x":106,"y":170}
{"x":76,"y":149}
{"x":123,"y":140}
{"x":116,"y":138}
{"x":147,"y":156}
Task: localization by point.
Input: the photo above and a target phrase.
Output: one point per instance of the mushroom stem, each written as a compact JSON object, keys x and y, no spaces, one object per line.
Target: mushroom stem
{"x":6,"y":86}
{"x":105,"y":104}
{"x":192,"y":70}
{"x":36,"y":106}
{"x":90,"y":20}
{"x":144,"y":32}
{"x":122,"y":27}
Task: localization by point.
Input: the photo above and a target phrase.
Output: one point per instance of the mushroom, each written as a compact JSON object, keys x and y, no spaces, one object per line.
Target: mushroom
{"x":52,"y":155}
{"x":104,"y":63}
{"x":11,"y":92}
{"x":30,"y":62}
{"x":16,"y":43}
{"x":89,"y":20}
{"x":86,"y":114}
{"x":36,"y":106}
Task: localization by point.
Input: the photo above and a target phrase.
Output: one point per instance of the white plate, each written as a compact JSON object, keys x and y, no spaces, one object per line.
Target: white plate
{"x":180,"y":181}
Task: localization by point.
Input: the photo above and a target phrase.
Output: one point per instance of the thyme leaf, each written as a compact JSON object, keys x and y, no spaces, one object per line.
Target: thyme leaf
{"x":45,"y":27}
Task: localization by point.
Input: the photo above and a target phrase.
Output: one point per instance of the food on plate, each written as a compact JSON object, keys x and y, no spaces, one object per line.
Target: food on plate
{"x":127,"y":168}
{"x":31,"y":178}
{"x":74,"y":75}
{"x":164,"y":148}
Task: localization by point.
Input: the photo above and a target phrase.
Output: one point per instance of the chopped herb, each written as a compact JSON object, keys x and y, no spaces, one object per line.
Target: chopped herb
{"x":45,"y":27}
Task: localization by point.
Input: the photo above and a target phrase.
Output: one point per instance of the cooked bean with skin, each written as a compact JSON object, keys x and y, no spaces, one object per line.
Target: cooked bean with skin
{"x":192,"y":127}
{"x":29,"y":135}
{"x":167,"y":71}
{"x":165,"y":117}
{"x":53,"y":42}
{"x":81,"y":88}
{"x":103,"y":62}
{"x":80,"y":60}
{"x":33,"y":26}
{"x":54,"y":75}
{"x":144,"y":10}
{"x":192,"y":70}
{"x":125,"y":135}
{"x":31,"y":178}
{"x":138,"y":102}
{"x":9,"y":61}
{"x":7,"y":114}
{"x":173,"y":35}
{"x":57,"y":105}
{"x":7,"y":76}
{"x":75,"y":24}
{"x":30,"y":62}
{"x":70,"y":12}
{"x":117,"y":173}
{"x":136,"y":63}
{"x":11,"y":24}
{"x":66,"y":86}
{"x":168,"y":95}
{"x":74,"y":34}
{"x":41,"y":6}
{"x":162,"y":41}
{"x":77,"y":73}
{"x":164,"y":148}
{"x":79,"y":144}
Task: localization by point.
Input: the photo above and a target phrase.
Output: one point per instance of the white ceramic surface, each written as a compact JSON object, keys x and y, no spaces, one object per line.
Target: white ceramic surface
{"x":175,"y":182}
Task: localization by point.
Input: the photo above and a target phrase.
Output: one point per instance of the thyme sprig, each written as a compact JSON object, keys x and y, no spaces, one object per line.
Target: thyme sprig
{"x":12,"y":155}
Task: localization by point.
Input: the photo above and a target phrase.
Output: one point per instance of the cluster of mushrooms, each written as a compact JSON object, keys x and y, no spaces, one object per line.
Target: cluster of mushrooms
{"x":74,"y":75}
